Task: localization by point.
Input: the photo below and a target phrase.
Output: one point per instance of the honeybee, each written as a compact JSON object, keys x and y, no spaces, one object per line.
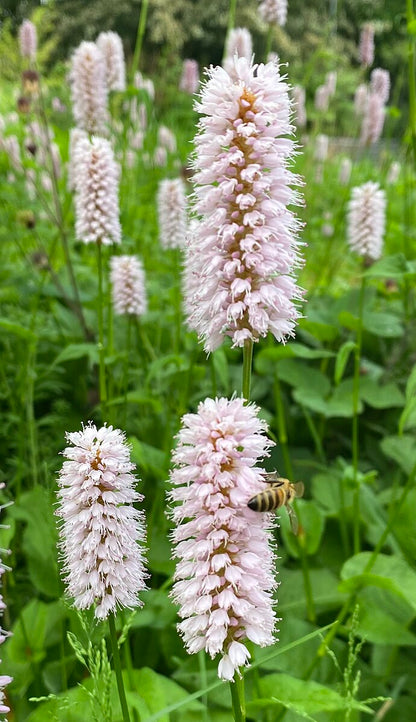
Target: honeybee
{"x":281,"y":492}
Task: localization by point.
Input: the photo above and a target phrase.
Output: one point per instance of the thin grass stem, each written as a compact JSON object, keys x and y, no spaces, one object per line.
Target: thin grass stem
{"x":355,"y":421}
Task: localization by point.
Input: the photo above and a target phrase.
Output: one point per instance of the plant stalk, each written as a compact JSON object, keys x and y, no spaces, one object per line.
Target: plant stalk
{"x":237,"y":698}
{"x":247,"y":364}
{"x":117,"y":668}
{"x":355,"y":423}
{"x":139,"y":38}
{"x":101,"y":349}
{"x":410,"y":17}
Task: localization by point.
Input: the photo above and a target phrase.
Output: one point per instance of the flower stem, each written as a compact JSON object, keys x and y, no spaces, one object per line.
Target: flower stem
{"x":139,"y":38}
{"x":117,"y":668}
{"x":269,"y":42}
{"x":410,"y":16}
{"x":247,"y":363}
{"x":237,"y":698}
{"x":231,"y":15}
{"x":126,"y":369}
{"x":101,"y":350}
{"x":355,"y":401}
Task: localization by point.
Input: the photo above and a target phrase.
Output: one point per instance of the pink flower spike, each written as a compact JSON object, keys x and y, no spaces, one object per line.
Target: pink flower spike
{"x":89,"y":89}
{"x":128,"y":286}
{"x":101,"y":532}
{"x":111,"y":48}
{"x":242,"y":145}
{"x":273,"y":11}
{"x":171,"y":202}
{"x":224,"y":578}
{"x":367,"y":220}
{"x":28,"y":40}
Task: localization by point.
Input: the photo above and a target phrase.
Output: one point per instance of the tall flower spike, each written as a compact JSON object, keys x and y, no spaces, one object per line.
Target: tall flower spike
{"x":89,"y":88}
{"x":189,"y":81}
{"x":101,"y":532}
{"x":4,"y":678}
{"x":171,"y":201}
{"x":373,"y":120}
{"x":129,"y":286}
{"x":246,"y":247}
{"x":299,"y":106}
{"x":367,"y":45}
{"x":273,"y":11}
{"x":380,"y":83}
{"x":361,"y":98}
{"x":224,"y":577}
{"x":96,"y":199}
{"x":28,"y":40}
{"x":367,"y":220}
{"x":111,"y":48}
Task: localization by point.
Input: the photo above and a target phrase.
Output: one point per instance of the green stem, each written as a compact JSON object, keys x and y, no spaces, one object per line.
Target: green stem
{"x":355,"y":441}
{"x":237,"y":698}
{"x":204,"y":683}
{"x":101,"y":349}
{"x":410,"y":17}
{"x":247,"y":363}
{"x":117,"y":668}
{"x":126,"y":370}
{"x":139,"y":38}
{"x":231,"y":15}
{"x":178,"y":299}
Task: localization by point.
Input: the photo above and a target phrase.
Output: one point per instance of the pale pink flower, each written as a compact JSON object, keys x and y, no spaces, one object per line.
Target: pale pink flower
{"x":380,"y":83}
{"x":128,"y":286}
{"x":146,"y":84}
{"x":89,"y":88}
{"x":28,"y":40}
{"x":189,"y":81}
{"x":166,"y":138}
{"x":367,"y":45}
{"x":321,"y":147}
{"x":361,"y":99}
{"x":299,"y":106}
{"x":75,"y":136}
{"x":247,"y":246}
{"x":322,"y":98}
{"x":238,"y":43}
{"x":331,"y":82}
{"x":224,"y":576}
{"x":393,"y":173}
{"x":96,"y":199}
{"x":171,"y":203}
{"x":4,"y":678}
{"x":345,"y":171}
{"x":273,"y":11}
{"x":57,"y":105}
{"x":373,"y":120}
{"x":101,"y":533}
{"x":367,"y":220}
{"x":160,"y":156}
{"x":11,"y":145}
{"x":111,"y":47}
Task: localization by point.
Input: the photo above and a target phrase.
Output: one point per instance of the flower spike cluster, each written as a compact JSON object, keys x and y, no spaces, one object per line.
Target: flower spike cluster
{"x":96,"y":186}
{"x":28,"y":40}
{"x":5,"y":679}
{"x":245,"y":249}
{"x":171,"y":201}
{"x":101,"y":531}
{"x":224,"y":576}
{"x":128,"y":286}
{"x":111,"y":47}
{"x":367,"y":220}
{"x":273,"y":11}
{"x":89,"y":88}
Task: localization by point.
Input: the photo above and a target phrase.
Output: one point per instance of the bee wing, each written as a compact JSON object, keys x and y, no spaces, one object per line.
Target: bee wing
{"x":294,"y":524}
{"x":299,"y":488}
{"x":272,"y":477}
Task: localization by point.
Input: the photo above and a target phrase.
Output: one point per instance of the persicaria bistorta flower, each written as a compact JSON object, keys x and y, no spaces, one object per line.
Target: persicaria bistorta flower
{"x":189,"y":81}
{"x":111,"y":48}
{"x":367,"y":45}
{"x":101,"y":533}
{"x":171,"y":201}
{"x":245,"y":248}
{"x":128,"y":285}
{"x":361,"y":98}
{"x":322,"y":96}
{"x":224,"y":576}
{"x":373,"y":120}
{"x":367,"y":220}
{"x":273,"y":11}
{"x":96,"y":200}
{"x":345,"y":171}
{"x":4,"y":678}
{"x":380,"y":83}
{"x":28,"y":40}
{"x":299,"y":99}
{"x":89,"y":88}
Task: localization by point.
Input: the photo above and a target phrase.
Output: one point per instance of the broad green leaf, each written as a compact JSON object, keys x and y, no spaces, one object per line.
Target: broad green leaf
{"x":321,"y":331}
{"x":380,"y":396}
{"x":302,"y":376}
{"x":402,"y":449}
{"x":390,"y":572}
{"x":326,"y":490}
{"x":220,"y":363}
{"x":310,"y":398}
{"x":148,"y":458}
{"x":266,"y":359}
{"x":389,"y":267}
{"x":342,"y":360}
{"x":158,"y":611}
{"x":340,"y":403}
{"x":383,"y":618}
{"x":403,"y":520}
{"x":301,"y":695}
{"x":76,"y":351}
{"x":382,"y":324}
{"x":411,"y":384}
{"x":325,"y":592}
{"x":347,"y":319}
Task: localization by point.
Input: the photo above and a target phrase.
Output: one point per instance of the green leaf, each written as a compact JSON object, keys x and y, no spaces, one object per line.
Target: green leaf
{"x":411,"y":384}
{"x":342,"y":359}
{"x":266,"y":359}
{"x":148,"y":458}
{"x":301,"y":696}
{"x":403,"y":520}
{"x":347,"y":319}
{"x":388,"y":572}
{"x":380,"y":396}
{"x":383,"y":618}
{"x":76,"y":351}
{"x":17,"y":329}
{"x":310,"y":398}
{"x":389,"y":267}
{"x":340,"y":403}
{"x":301,"y":375}
{"x":326,"y":489}
{"x":321,"y":331}
{"x":220,"y":363}
{"x":402,"y":449}
{"x":411,"y":27}
{"x":325,"y":592}
{"x":382,"y":324}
